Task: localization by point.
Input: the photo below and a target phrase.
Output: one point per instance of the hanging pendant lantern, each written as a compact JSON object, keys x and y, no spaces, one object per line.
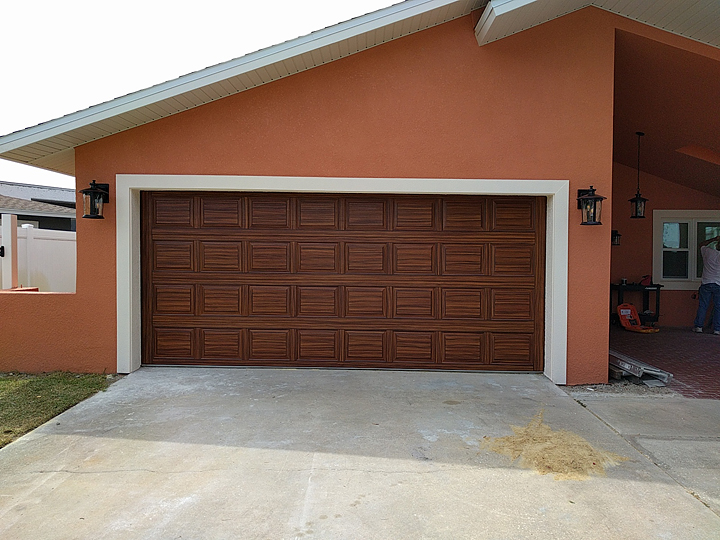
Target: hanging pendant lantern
{"x":93,"y":199}
{"x":637,"y":203}
{"x":591,"y":206}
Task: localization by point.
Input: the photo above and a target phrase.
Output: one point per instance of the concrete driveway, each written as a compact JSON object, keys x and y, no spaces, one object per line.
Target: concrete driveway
{"x":281,"y":454}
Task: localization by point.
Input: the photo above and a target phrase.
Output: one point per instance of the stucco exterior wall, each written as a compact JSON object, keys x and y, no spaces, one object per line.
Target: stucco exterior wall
{"x":537,"y":105}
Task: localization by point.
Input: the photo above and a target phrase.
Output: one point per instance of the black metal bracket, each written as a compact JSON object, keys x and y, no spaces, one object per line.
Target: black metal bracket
{"x":2,"y":251}
{"x":582,"y":192}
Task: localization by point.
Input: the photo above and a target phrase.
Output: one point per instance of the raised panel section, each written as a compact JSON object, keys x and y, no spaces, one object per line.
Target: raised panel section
{"x":415,"y":303}
{"x":415,"y":214}
{"x":512,"y":349}
{"x":269,"y":213}
{"x":221,"y":344}
{"x":318,"y":302}
{"x":269,"y":301}
{"x":464,"y":259}
{"x":219,"y":299}
{"x":366,"y":258}
{"x":515,"y":260}
{"x":465,"y":348}
{"x":269,"y":257}
{"x":221,"y":212}
{"x":319,"y":345}
{"x":318,"y":257}
{"x":513,"y":304}
{"x":463,"y":215}
{"x":174,"y":299}
{"x":513,"y":214}
{"x":415,"y":258}
{"x":318,"y":214}
{"x":365,"y":301}
{"x":364,"y":346}
{"x":173,"y":211}
{"x":270,"y":344}
{"x":367,"y":214}
{"x":463,"y":303}
{"x":414,"y":347}
{"x":174,"y":343}
{"x":170,"y":255}
{"x":219,"y":256}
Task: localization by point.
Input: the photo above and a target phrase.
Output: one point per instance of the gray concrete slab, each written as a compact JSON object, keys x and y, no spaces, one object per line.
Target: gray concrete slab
{"x":287,"y":454}
{"x":680,"y":435}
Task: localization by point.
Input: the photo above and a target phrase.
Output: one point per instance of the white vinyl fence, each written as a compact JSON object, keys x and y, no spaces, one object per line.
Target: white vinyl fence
{"x":45,"y":259}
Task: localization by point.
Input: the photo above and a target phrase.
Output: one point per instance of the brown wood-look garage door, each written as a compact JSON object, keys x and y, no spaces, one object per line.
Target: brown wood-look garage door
{"x":343,"y":280}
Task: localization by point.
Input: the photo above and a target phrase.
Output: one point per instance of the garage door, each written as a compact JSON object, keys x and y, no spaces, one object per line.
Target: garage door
{"x":336,"y":280}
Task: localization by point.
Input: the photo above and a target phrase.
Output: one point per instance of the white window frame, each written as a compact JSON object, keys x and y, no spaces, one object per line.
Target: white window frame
{"x":673,"y":216}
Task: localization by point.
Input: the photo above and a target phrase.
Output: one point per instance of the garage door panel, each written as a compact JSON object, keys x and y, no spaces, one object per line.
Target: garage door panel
{"x":414,"y":347}
{"x":221,"y":212}
{"x":513,"y":214}
{"x":221,"y":344}
{"x":415,"y":214}
{"x":415,"y":259}
{"x":176,"y":212}
{"x":318,"y":214}
{"x":318,"y":301}
{"x":220,"y":256}
{"x":174,"y":343}
{"x":366,"y":258}
{"x":414,"y":302}
{"x":323,"y":345}
{"x":367,"y":214}
{"x":220,"y":300}
{"x":269,"y":212}
{"x":274,"y":301}
{"x":365,"y":346}
{"x":314,"y":257}
{"x":366,"y":302}
{"x":332,"y":280}
{"x":270,"y":344}
{"x":269,"y":257}
{"x":173,"y":256}
{"x":174,"y":299}
{"x":463,"y":303}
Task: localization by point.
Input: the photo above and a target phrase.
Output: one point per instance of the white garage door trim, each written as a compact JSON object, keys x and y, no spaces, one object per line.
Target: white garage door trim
{"x":127,"y":197}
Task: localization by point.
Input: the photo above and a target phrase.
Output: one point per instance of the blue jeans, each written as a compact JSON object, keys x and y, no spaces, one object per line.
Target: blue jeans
{"x":706,"y":292}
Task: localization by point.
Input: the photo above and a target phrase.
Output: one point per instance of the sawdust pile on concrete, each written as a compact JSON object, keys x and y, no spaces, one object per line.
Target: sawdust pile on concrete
{"x":561,"y":453}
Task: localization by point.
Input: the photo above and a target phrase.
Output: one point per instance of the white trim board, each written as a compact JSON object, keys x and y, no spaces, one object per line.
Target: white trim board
{"x":127,"y":201}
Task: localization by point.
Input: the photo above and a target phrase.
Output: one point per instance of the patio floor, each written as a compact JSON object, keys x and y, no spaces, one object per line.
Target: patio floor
{"x":693,"y":359}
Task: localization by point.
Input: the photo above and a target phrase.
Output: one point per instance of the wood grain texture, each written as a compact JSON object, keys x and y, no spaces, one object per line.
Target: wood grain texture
{"x":328,"y":280}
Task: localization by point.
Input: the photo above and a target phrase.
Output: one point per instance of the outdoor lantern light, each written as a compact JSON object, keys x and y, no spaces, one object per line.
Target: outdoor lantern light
{"x":591,"y":206}
{"x":93,"y":199}
{"x":637,"y":203}
{"x":615,"y":238}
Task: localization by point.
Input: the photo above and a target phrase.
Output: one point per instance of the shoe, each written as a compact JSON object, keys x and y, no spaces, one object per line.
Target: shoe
{"x":697,"y":330}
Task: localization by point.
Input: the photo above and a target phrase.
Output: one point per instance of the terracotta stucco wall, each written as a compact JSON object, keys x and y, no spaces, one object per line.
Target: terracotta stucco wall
{"x":537,"y":105}
{"x":632,"y":259}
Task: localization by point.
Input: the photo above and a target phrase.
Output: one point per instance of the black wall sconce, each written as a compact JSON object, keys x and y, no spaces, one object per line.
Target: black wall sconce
{"x":637,"y":203}
{"x":591,"y":206}
{"x":93,"y":199}
{"x":615,"y":238}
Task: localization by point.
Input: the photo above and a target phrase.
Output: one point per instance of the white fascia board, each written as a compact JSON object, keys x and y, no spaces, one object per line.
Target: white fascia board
{"x":493,"y":10}
{"x":226,"y":70}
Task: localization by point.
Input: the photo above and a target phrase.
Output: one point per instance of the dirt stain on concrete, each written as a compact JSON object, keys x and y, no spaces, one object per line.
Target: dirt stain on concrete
{"x":564,"y":454}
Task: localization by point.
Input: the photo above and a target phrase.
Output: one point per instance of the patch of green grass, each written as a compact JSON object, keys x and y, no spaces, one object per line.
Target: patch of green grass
{"x":27,"y":401}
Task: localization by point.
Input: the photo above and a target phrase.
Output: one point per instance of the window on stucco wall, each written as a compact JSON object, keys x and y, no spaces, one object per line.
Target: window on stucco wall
{"x":677,"y":262}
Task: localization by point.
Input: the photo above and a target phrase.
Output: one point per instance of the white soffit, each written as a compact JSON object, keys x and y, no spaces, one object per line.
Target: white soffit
{"x":51,"y":145}
{"x":698,"y":20}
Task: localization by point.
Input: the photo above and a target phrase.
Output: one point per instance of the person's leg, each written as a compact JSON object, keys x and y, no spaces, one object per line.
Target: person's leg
{"x":716,"y":311}
{"x":704,"y":295}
